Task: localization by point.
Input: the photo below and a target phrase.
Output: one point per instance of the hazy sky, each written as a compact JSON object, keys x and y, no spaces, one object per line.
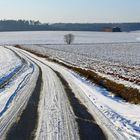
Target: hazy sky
{"x":71,"y":10}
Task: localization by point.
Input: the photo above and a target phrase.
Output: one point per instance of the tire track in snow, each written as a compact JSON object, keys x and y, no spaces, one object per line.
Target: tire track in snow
{"x":88,"y":128}
{"x":20,"y":86}
{"x":56,"y":118}
{"x":25,"y":128}
{"x":6,"y":79}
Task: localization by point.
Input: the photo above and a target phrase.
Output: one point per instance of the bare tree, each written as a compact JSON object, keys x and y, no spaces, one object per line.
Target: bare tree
{"x":69,"y":38}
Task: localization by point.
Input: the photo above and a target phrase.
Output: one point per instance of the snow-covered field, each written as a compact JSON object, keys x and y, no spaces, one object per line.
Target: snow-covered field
{"x":119,"y":60}
{"x":115,"y":54}
{"x":57,"y":37}
{"x":111,"y":54}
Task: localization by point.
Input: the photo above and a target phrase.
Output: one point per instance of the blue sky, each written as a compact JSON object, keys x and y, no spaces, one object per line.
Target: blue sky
{"x":71,"y":10}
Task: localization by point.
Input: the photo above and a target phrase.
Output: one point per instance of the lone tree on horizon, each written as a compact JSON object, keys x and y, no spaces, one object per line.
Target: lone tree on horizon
{"x":69,"y":38}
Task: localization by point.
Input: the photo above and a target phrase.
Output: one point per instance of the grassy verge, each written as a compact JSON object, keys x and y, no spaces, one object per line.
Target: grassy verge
{"x":127,"y":93}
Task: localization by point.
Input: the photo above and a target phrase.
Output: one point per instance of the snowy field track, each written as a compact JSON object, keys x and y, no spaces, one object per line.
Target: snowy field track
{"x":71,"y":108}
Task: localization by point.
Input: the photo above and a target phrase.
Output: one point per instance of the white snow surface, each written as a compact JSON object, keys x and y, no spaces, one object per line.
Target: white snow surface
{"x":8,"y":62}
{"x":57,"y":37}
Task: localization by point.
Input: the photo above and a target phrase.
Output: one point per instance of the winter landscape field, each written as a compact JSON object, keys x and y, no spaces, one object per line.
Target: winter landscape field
{"x":43,"y":97}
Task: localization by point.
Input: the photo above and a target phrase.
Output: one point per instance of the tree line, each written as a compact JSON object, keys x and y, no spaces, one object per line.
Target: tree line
{"x":30,"y":25}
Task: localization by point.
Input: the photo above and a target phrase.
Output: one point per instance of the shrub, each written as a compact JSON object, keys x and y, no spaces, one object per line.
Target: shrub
{"x":69,"y":38}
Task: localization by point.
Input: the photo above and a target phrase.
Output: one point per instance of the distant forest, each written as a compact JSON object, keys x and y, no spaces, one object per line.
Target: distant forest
{"x":25,"y":25}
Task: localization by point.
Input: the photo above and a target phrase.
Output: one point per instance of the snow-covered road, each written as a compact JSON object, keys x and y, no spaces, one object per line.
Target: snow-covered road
{"x":69,"y":108}
{"x":57,"y":119}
